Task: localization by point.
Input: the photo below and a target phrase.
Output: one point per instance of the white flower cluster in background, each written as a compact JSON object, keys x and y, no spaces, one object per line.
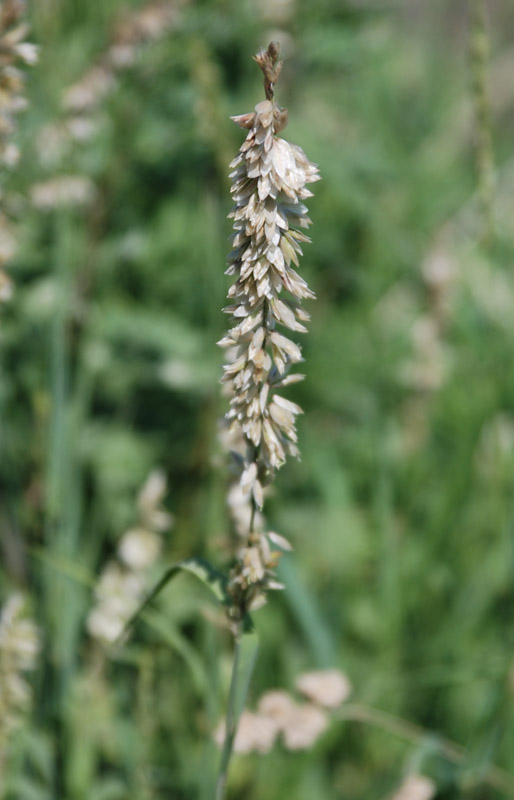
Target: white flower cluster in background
{"x":83,"y":100}
{"x":122,"y":584}
{"x":134,"y":30}
{"x":416,"y":787}
{"x":72,"y":191}
{"x":298,"y":724}
{"x":19,"y":649}
{"x":14,"y":53}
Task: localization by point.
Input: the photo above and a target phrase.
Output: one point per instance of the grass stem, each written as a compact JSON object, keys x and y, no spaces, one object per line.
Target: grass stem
{"x":231,"y":724}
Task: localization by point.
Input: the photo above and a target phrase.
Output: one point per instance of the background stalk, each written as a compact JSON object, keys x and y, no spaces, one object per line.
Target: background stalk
{"x":230,"y":724}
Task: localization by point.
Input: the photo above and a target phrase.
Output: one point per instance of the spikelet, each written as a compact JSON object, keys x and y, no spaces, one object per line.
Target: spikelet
{"x":269,"y":180}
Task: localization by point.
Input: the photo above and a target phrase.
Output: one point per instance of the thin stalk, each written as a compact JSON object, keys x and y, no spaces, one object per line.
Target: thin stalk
{"x":230,"y":725}
{"x":479,"y":58}
{"x":494,"y":776}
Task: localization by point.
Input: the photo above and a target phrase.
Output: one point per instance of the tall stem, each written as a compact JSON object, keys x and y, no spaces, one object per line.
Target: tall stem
{"x":479,"y":56}
{"x":230,"y":725}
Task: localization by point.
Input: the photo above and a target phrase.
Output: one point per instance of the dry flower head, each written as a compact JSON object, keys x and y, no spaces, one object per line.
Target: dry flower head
{"x":269,"y":180}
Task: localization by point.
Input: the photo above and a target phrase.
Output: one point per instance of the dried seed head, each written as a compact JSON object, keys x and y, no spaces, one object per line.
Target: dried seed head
{"x":269,"y":178}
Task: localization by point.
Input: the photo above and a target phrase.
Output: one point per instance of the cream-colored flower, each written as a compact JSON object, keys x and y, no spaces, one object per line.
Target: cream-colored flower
{"x":304,"y":727}
{"x":121,"y":586}
{"x":19,"y":637}
{"x":19,"y":649}
{"x":133,"y":31}
{"x":149,"y":502}
{"x":277,"y":11}
{"x":256,"y":733}
{"x":278,"y":705}
{"x":14,"y":52}
{"x":65,"y":190}
{"x":88,"y":93}
{"x":118,"y":595}
{"x":300,"y":724}
{"x":416,"y":787}
{"x":327,"y":687}
{"x":139,"y":548}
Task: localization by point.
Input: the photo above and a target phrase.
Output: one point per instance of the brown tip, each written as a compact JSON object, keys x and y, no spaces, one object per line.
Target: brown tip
{"x":270,"y":66}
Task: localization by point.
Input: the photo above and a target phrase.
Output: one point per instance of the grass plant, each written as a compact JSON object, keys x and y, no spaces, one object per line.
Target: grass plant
{"x":400,"y":510}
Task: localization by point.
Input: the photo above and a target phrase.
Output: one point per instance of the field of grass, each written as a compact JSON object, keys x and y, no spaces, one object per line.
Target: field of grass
{"x":401,"y":510}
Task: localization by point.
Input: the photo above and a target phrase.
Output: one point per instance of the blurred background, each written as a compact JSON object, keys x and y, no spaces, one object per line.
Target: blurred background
{"x":401,"y":511}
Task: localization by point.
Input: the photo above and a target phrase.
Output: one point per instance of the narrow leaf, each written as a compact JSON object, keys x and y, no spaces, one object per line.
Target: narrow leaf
{"x":198,"y":567}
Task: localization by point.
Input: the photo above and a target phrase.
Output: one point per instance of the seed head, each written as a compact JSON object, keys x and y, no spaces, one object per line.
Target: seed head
{"x":268,"y":186}
{"x":269,"y":180}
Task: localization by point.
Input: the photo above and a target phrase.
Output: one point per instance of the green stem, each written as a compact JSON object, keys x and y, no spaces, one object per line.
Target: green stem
{"x":230,"y":725}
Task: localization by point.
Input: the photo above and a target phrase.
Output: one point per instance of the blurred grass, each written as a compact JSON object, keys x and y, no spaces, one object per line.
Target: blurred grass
{"x":400,"y":510}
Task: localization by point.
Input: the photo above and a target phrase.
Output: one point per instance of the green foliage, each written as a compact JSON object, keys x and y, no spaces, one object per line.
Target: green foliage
{"x":400,"y":511}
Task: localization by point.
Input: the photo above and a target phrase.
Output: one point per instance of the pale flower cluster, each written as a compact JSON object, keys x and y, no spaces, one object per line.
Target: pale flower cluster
{"x":122,"y":584}
{"x":72,"y":191}
{"x":327,"y":687}
{"x":298,"y":724}
{"x":134,"y":30}
{"x":416,"y":787}
{"x":14,"y":53}
{"x":19,"y":649}
{"x":82,"y":100}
